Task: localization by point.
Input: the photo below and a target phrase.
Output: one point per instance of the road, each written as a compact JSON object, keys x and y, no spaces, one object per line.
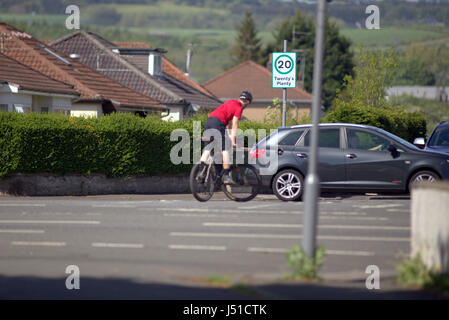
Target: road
{"x":173,"y":247}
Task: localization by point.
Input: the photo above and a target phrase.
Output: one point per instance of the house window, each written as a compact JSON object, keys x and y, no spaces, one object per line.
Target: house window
{"x":3,"y":107}
{"x":20,"y":108}
{"x":62,"y":111}
{"x":44,"y":109}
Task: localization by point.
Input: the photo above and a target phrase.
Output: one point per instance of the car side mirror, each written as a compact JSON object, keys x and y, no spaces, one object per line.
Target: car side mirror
{"x":392,"y":148}
{"x":420,"y":143}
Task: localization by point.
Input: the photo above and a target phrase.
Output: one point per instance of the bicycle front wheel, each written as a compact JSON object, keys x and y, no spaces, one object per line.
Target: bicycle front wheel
{"x":247,"y":183}
{"x":202,"y":186}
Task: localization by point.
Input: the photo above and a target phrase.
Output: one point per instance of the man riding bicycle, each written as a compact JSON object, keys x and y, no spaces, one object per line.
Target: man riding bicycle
{"x":228,"y":112}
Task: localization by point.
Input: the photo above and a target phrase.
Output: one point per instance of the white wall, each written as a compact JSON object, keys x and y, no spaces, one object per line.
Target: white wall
{"x":87,"y":110}
{"x":176,"y":114}
{"x":15,"y":98}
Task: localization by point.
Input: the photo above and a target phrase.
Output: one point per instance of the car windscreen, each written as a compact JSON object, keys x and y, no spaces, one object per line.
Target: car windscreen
{"x":400,"y":140}
{"x":440,"y":137}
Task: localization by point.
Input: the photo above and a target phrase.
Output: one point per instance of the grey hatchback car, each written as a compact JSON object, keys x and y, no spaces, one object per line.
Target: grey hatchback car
{"x":351,"y":158}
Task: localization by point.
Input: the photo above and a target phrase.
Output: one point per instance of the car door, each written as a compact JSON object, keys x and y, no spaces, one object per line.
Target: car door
{"x":369,"y":164}
{"x":331,"y":161}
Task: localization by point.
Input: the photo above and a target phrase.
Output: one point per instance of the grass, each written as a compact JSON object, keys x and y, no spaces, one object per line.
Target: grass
{"x":392,"y":36}
{"x":412,"y":272}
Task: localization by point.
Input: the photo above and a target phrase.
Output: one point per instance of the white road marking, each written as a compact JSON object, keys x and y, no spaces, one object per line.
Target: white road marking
{"x":379,"y":206}
{"x":328,"y":252}
{"x":354,"y":218}
{"x":21,"y":231}
{"x":251,"y":225}
{"x":274,"y":225}
{"x":245,"y":210}
{"x":398,"y":210}
{"x":196,"y":247}
{"x":256,"y":207}
{"x":36,"y":243}
{"x":350,"y":253}
{"x":22,"y":205}
{"x":202,"y":215}
{"x":117,"y":245}
{"x":233,"y":235}
{"x":112,"y":206}
{"x":49,"y":222}
{"x":284,"y":236}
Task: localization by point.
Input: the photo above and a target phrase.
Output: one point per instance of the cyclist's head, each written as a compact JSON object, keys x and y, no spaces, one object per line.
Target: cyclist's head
{"x":246,"y":97}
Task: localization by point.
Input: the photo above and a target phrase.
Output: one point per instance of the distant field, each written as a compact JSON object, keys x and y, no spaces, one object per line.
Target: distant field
{"x":49,"y":18}
{"x":392,"y":36}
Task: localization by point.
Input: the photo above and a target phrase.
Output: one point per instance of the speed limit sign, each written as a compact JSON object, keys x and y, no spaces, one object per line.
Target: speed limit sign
{"x":284,"y":70}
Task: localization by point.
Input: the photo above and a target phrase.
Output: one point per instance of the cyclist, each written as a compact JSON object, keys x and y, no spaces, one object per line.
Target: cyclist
{"x":229,"y":113}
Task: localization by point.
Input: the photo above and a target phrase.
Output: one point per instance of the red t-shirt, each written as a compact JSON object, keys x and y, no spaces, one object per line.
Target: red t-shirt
{"x":227,"y":111}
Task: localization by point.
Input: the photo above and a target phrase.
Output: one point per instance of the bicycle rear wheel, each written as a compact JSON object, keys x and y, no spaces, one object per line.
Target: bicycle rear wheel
{"x":202,"y":189}
{"x":247,"y":185}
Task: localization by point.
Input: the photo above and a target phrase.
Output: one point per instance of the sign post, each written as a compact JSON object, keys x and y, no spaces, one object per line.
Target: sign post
{"x":284,"y":74}
{"x":312,"y":180}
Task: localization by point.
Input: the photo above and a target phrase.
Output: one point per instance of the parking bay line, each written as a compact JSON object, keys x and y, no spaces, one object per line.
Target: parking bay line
{"x":22,"y":205}
{"x":284,"y":236}
{"x":49,"y":222}
{"x":117,"y":245}
{"x":196,"y":247}
{"x":322,"y":215}
{"x":38,"y":243}
{"x":278,"y":225}
{"x":328,"y":252}
{"x":21,"y":231}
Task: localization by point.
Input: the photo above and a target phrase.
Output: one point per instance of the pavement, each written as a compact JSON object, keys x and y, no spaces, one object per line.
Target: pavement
{"x":171,"y":247}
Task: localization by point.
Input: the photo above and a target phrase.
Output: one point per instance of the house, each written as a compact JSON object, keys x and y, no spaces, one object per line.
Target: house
{"x":258,"y":80}
{"x":424,"y":92}
{"x":98,"y":94}
{"x":25,"y":90}
{"x":140,"y":69}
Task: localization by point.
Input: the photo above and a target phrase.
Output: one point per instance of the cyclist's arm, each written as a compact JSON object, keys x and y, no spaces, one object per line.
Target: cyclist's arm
{"x":234,"y":126}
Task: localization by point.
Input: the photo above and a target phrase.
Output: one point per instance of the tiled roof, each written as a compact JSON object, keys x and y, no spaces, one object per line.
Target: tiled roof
{"x":167,"y":67}
{"x":254,"y":78}
{"x":12,"y":71}
{"x":97,"y":53}
{"x":91,"y":84}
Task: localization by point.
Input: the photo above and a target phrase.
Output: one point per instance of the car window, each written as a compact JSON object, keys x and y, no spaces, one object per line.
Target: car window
{"x":329,"y":138}
{"x":363,"y":140}
{"x":440,"y":137}
{"x":291,"y":138}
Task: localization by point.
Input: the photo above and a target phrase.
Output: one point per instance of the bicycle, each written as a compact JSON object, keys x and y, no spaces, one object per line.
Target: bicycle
{"x":247,"y":180}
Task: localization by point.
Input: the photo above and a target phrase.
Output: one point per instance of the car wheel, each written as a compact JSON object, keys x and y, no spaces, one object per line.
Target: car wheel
{"x":422,"y":176}
{"x":288,"y":185}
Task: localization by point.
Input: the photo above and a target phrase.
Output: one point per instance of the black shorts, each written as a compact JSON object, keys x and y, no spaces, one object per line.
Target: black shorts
{"x":217,"y":124}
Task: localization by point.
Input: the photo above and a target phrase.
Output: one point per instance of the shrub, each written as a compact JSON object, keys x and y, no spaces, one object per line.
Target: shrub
{"x":407,"y":125}
{"x":115,"y":145}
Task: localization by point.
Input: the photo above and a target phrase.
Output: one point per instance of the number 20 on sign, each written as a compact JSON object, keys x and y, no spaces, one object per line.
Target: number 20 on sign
{"x":284,"y":70}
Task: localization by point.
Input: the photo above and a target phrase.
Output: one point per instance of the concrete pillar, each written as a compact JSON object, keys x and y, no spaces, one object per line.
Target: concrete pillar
{"x":430,"y":224}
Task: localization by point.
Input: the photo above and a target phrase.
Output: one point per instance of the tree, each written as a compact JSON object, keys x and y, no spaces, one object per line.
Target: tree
{"x":374,"y":73}
{"x":247,"y":45}
{"x":338,"y":58}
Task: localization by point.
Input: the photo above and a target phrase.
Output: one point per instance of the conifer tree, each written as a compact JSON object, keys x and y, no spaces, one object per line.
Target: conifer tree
{"x":247,"y":46}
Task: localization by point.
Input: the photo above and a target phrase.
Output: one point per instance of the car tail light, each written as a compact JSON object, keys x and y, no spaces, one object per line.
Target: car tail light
{"x":257,"y":153}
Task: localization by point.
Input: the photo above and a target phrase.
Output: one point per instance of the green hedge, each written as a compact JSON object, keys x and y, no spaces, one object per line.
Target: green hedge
{"x":115,"y":145}
{"x":407,"y":125}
